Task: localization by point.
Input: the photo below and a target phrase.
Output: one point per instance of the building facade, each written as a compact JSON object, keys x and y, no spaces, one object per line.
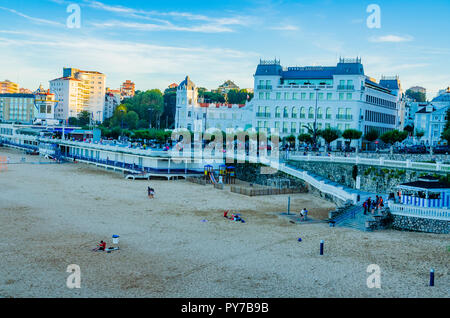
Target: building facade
{"x":8,"y":87}
{"x":127,"y":89}
{"x":44,"y":110}
{"x":112,"y":100}
{"x":343,"y":97}
{"x":17,"y":108}
{"x":79,"y":91}
{"x":192,"y":113}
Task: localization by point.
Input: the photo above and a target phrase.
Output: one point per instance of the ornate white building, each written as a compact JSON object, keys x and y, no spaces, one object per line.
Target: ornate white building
{"x":192,"y":113}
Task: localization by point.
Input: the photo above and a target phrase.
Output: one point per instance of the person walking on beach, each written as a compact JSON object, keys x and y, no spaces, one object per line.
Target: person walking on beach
{"x":151,"y":192}
{"x":365,"y":207}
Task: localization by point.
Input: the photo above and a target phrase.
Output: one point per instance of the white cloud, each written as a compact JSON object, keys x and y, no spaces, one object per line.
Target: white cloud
{"x":33,"y":19}
{"x":391,"y":38}
{"x":287,"y":27}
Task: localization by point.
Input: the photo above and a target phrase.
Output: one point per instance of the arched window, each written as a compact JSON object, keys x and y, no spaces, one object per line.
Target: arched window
{"x":285,"y":112}
{"x":311,"y":113}
{"x":267,"y":111}
{"x":319,"y":112}
{"x":277,"y":112}
{"x":294,"y":112}
{"x":328,"y":113}
{"x":302,"y":112}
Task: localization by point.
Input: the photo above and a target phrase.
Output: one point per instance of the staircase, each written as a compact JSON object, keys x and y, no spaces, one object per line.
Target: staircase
{"x":354,"y":218}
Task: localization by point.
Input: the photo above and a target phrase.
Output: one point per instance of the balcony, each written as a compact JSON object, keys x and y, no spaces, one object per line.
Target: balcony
{"x":346,"y":87}
{"x":266,"y":87}
{"x":344,"y":117}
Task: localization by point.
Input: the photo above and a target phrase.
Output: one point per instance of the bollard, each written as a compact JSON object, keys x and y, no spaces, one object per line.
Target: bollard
{"x":432,"y":277}
{"x":289,"y":205}
{"x":321,"y":247}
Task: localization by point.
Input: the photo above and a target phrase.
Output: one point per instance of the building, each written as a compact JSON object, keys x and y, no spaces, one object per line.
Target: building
{"x":422,"y":205}
{"x":127,"y":89}
{"x":79,"y":91}
{"x":8,"y":87}
{"x":418,"y":89}
{"x":44,"y":111}
{"x":112,"y":100}
{"x":431,"y":119}
{"x":17,"y":108}
{"x":192,"y":113}
{"x":173,"y":85}
{"x":226,"y":87}
{"x":25,"y":91}
{"x":341,"y":96}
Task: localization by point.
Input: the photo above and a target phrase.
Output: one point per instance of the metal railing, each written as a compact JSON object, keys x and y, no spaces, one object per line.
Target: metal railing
{"x":419,"y":212}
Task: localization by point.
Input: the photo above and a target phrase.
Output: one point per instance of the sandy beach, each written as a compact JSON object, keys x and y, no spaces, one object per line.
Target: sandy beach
{"x":53,"y":215}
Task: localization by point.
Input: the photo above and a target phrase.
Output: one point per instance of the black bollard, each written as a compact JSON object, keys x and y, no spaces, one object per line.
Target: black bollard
{"x":321,"y":247}
{"x":432,"y":277}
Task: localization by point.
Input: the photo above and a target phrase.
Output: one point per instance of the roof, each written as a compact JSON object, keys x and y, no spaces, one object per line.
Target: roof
{"x":18,"y":95}
{"x":426,"y":182}
{"x":310,"y":72}
{"x":187,"y":83}
{"x":66,"y":79}
{"x":442,"y":98}
{"x":424,"y":110}
{"x":390,"y":83}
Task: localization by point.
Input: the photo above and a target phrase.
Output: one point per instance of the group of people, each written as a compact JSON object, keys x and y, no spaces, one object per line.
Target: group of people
{"x":373,"y":205}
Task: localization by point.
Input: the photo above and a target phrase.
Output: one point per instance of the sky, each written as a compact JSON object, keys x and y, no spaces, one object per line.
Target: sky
{"x":156,"y":43}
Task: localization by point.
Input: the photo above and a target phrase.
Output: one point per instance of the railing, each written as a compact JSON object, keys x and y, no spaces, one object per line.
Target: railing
{"x":346,"y":87}
{"x":344,"y":117}
{"x":375,"y":162}
{"x":264,"y":86}
{"x":263,"y":115}
{"x":419,"y":212}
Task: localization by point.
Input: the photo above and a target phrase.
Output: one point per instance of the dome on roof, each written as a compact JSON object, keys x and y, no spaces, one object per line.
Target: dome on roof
{"x":186,"y":84}
{"x":442,"y":98}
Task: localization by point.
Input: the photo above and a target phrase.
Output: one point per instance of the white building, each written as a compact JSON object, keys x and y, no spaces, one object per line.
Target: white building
{"x":431,"y":119}
{"x":112,"y":100}
{"x":79,"y":91}
{"x":192,"y":111}
{"x":341,"y":96}
{"x":44,"y":111}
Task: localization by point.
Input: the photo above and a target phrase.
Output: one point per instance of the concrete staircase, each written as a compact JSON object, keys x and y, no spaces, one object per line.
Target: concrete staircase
{"x":354,"y":218}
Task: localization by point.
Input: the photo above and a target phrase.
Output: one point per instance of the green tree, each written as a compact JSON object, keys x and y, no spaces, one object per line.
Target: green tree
{"x":84,"y":118}
{"x":330,"y":135}
{"x":131,"y":118}
{"x":446,"y":135}
{"x":393,"y":136}
{"x":417,"y":96}
{"x":351,"y":134}
{"x":372,"y":135}
{"x":419,"y":133}
{"x":306,"y":138}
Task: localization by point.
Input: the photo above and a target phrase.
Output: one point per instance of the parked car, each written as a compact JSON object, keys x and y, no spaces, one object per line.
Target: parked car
{"x":441,"y":149}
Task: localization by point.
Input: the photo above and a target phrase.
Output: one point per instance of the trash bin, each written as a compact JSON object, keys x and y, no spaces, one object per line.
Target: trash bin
{"x":115,"y":239}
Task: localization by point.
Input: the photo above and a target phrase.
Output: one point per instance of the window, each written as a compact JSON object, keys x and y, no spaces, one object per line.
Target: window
{"x":303,"y":96}
{"x":277,"y":112}
{"x":311,"y":96}
{"x":267,"y":95}
{"x":319,"y":113}
{"x":302,"y":112}
{"x":278,"y":95}
{"x":341,"y":96}
{"x":285,"y":113}
{"x":261,"y":95}
{"x":349,"y":96}
{"x":328,"y":113}
{"x":320,"y":96}
{"x":311,"y":113}
{"x":329,"y":96}
{"x":286,"y":95}
{"x":294,"y":112}
{"x":294,"y":96}
{"x":293,"y":128}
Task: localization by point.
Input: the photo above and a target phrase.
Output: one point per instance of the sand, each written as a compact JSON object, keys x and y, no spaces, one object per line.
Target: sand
{"x":52,"y":216}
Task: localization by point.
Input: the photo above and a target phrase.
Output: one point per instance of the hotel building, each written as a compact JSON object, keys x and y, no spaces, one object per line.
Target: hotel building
{"x":112,"y":100}
{"x":127,"y":89}
{"x":8,"y":87}
{"x":191,"y":111}
{"x":79,"y":91}
{"x":341,"y":96}
{"x":17,"y":108}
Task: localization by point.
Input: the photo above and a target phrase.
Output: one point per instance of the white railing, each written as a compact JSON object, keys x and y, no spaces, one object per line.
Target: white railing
{"x":419,"y":212}
{"x":376,"y":162}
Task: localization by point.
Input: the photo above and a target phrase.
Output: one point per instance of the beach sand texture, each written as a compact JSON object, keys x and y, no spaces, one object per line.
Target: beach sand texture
{"x":52,"y":216}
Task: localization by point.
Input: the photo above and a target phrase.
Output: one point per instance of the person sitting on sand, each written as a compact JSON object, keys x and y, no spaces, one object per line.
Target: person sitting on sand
{"x":102,"y":246}
{"x":151,"y":192}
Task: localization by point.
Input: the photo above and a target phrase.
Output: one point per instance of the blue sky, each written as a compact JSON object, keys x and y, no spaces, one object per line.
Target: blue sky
{"x":155,"y":43}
